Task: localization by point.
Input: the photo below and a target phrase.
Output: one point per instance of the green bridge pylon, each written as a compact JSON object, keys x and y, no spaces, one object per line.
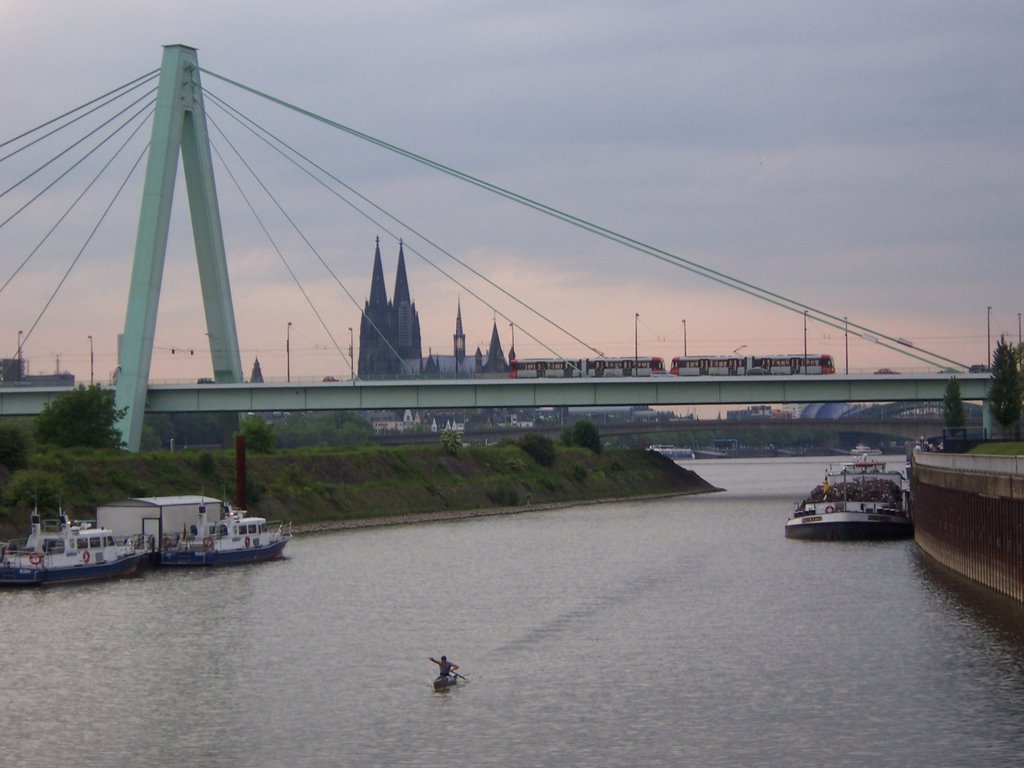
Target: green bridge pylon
{"x":179,"y":126}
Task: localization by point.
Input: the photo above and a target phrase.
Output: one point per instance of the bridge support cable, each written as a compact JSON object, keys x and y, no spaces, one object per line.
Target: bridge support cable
{"x":81,"y":195}
{"x":270,"y":238}
{"x":105,"y":99}
{"x":279,"y":146}
{"x":179,"y":128}
{"x":883,"y":339}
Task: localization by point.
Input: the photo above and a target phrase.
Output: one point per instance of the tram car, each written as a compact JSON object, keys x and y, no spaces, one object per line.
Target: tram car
{"x":752,"y":365}
{"x":557,"y":368}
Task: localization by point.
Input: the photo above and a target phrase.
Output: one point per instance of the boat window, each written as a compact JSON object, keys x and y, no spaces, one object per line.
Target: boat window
{"x":110,"y":541}
{"x":263,"y":527}
{"x":95,"y":542}
{"x":83,"y":544}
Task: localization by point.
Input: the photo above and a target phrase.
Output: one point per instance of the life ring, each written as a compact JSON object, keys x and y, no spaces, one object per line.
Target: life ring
{"x":36,"y":558}
{"x":830,"y":508}
{"x":247,"y":542}
{"x":208,"y":542}
{"x":85,"y":557}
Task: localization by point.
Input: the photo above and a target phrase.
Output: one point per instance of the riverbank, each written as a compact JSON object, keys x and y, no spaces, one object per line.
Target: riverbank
{"x":324,"y":490}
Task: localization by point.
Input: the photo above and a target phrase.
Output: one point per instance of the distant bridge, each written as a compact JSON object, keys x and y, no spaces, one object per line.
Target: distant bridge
{"x":519,"y":393}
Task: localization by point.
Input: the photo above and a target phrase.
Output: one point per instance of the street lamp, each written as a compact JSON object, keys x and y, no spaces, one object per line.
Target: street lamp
{"x":19,"y":356}
{"x":803,"y":366}
{"x":288,"y":352}
{"x":846,"y":341}
{"x":988,"y":335}
{"x":636,"y":354}
{"x":351,"y":355}
{"x":684,"y":338}
{"x":91,"y":363}
{"x":1018,"y":328}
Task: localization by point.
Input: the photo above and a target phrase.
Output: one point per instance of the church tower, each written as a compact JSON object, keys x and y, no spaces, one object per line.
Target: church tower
{"x":407,"y":320}
{"x":460,"y":338}
{"x":376,"y":328}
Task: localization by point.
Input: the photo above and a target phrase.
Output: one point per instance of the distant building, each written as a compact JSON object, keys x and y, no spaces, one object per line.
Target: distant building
{"x":257,"y":373}
{"x":12,"y":372}
{"x":389,"y":336}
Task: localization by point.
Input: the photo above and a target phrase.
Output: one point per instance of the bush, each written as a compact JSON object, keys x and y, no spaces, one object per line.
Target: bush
{"x":585,"y":435}
{"x":13,"y":446}
{"x":451,"y":441}
{"x":541,"y":449}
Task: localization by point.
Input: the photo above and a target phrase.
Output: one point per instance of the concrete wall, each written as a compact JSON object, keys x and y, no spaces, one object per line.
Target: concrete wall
{"x":969,"y":516}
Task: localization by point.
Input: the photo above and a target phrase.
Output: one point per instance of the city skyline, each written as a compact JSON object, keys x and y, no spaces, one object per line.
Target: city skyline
{"x":862,"y":161}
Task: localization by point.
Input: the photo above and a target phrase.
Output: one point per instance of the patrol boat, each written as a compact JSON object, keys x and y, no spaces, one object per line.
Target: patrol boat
{"x":235,"y":538}
{"x":62,"y":551}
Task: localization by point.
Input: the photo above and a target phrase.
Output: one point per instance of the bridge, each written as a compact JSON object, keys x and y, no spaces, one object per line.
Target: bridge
{"x":180,"y":131}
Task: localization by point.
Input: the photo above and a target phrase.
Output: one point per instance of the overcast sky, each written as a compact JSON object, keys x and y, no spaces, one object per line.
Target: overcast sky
{"x":865,"y":159}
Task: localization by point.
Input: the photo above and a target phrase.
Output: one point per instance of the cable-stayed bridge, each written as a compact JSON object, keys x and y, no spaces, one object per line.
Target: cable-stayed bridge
{"x":180,"y":133}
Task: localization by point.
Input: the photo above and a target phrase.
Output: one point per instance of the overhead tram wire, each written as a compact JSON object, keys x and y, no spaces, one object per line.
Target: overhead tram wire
{"x":258,"y":129}
{"x":78,"y":199}
{"x":270,"y":237}
{"x":891,"y":342}
{"x":120,"y":91}
{"x":88,"y":240}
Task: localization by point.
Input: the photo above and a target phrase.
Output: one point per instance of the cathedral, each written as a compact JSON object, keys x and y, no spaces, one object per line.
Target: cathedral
{"x":389,"y":336}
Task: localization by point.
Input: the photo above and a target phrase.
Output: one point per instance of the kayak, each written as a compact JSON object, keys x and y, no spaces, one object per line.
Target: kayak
{"x":444,"y":681}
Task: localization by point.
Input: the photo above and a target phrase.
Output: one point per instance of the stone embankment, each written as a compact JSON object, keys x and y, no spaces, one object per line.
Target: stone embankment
{"x":969,"y":516}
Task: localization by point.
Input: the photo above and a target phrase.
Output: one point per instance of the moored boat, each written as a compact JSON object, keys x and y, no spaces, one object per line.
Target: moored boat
{"x":235,"y":538}
{"x":62,"y":551}
{"x":858,"y":500}
{"x":673,"y":452}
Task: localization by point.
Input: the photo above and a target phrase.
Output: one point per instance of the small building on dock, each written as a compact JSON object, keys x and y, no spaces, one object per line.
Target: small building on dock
{"x":154,"y":517}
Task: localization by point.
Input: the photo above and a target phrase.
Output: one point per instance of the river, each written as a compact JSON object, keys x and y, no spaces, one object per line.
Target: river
{"x":684,"y":631}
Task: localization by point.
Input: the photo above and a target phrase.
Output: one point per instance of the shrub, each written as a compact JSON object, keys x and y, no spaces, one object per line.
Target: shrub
{"x":541,"y":449}
{"x":451,"y":441}
{"x":13,"y":446}
{"x":585,"y":435}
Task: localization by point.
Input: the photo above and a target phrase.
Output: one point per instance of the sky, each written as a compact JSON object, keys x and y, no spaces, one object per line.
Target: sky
{"x":862,"y":160}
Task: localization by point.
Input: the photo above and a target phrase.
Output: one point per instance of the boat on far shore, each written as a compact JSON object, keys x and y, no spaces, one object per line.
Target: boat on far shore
{"x":862,"y":449}
{"x":673,"y":452}
{"x":858,"y":500}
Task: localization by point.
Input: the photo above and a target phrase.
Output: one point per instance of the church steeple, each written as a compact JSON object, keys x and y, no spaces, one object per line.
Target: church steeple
{"x":459,"y":337}
{"x":378,"y":291}
{"x":401,"y":281}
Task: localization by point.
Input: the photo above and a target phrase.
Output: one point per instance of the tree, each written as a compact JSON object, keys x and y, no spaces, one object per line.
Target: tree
{"x":541,"y":449}
{"x":82,"y":417}
{"x":585,"y":435}
{"x":13,"y":446}
{"x":953,"y":405}
{"x":1005,"y":388}
{"x":259,"y":436}
{"x":451,"y":441}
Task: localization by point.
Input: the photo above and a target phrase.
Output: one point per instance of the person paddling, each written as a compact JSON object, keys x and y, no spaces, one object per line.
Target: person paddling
{"x":446,"y":667}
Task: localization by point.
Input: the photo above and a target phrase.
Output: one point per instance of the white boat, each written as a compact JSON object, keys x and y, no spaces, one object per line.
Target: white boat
{"x":673,"y":452}
{"x":62,"y":551}
{"x":862,"y":449}
{"x":858,"y":500}
{"x":235,"y":538}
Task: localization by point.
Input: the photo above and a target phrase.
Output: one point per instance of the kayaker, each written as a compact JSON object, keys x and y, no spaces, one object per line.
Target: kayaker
{"x":447,"y":667}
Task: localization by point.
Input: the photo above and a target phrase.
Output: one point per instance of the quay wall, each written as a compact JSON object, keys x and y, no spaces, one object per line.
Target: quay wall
{"x":969,"y":516}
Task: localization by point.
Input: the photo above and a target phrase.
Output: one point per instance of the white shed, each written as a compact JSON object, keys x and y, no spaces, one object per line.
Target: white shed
{"x":155,"y":516}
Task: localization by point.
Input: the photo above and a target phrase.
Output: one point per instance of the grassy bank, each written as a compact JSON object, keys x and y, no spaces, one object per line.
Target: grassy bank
{"x":314,"y":487}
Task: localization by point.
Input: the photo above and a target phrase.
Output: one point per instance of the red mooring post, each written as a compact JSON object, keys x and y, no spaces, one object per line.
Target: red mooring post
{"x":240,"y":500}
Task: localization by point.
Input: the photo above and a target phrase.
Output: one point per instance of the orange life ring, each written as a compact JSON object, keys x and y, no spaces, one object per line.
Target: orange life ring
{"x":208,"y":542}
{"x":35,"y":558}
{"x":830,"y":508}
{"x":85,"y":556}
{"x":247,"y":542}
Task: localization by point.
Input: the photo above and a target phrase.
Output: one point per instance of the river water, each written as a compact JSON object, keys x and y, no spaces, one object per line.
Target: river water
{"x":671,"y":632}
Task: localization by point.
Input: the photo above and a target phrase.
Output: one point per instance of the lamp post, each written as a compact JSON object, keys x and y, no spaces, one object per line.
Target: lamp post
{"x":846,"y":342}
{"x":1018,"y":328}
{"x":91,"y":363}
{"x":351,"y":355}
{"x":288,"y":352}
{"x":803,"y":365}
{"x":684,"y":338}
{"x":988,"y":336}
{"x":19,"y":356}
{"x":636,"y":353}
